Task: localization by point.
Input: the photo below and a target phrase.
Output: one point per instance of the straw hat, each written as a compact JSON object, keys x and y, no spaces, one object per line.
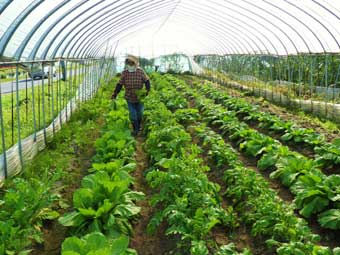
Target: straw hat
{"x":132,"y":59}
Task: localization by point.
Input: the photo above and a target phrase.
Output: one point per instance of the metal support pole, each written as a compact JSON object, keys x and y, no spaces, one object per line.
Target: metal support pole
{"x":51,"y":73}
{"x":311,"y":82}
{"x":65,"y":94}
{"x":70,"y":89}
{"x":43,"y":104}
{"x":59,"y":93}
{"x":18,"y":113}
{"x":3,"y":136}
{"x":33,"y":106}
{"x":326,"y":84}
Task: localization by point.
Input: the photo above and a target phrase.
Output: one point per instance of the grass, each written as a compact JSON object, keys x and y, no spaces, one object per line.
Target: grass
{"x":55,"y":93}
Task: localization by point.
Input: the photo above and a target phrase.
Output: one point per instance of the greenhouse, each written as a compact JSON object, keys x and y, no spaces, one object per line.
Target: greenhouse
{"x":170,"y":127}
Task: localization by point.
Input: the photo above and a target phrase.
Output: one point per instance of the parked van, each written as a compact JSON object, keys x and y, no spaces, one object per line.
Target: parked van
{"x":37,"y":72}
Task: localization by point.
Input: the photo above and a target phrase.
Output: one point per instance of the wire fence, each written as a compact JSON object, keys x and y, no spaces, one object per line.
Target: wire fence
{"x":307,"y":82}
{"x":37,"y":98}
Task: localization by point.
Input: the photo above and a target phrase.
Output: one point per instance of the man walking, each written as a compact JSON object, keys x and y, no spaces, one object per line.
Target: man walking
{"x":133,"y":78}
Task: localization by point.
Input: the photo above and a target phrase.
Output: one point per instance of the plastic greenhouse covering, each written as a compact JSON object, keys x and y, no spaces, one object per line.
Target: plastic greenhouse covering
{"x":46,"y":29}
{"x":170,"y":127}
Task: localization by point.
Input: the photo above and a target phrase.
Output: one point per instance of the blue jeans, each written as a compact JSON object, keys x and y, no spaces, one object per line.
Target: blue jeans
{"x":136,"y":114}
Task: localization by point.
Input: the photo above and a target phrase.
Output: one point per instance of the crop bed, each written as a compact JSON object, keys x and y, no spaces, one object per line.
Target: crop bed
{"x":210,"y":174}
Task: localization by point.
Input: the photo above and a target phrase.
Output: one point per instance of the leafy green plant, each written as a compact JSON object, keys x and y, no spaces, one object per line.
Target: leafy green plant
{"x":290,"y":168}
{"x":271,"y":156}
{"x":303,"y":135}
{"x":116,"y":143}
{"x":300,"y":248}
{"x":311,"y":194}
{"x":97,"y":243}
{"x":328,"y":154}
{"x":103,"y":204}
{"x":256,"y":144}
{"x":230,"y":249}
{"x":24,"y":207}
{"x":186,"y":115}
{"x":141,"y":94}
{"x":330,"y":219}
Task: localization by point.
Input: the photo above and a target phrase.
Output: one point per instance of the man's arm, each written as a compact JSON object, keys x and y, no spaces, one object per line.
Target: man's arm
{"x":147,"y":86}
{"x":119,"y":86}
{"x":117,"y":90}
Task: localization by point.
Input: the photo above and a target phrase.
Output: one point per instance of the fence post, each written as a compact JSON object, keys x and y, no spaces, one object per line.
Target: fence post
{"x":51,"y":73}
{"x":43,"y":102}
{"x":326,"y":85}
{"x":3,"y":135}
{"x":59,"y":92}
{"x":18,"y":113}
{"x":33,"y":106}
{"x":311,"y":82}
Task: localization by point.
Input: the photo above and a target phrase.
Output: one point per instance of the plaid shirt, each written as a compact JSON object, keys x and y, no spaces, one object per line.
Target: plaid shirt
{"x":132,"y":81}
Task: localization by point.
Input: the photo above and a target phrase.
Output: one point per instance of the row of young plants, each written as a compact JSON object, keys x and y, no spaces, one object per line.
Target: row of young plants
{"x":258,"y":205}
{"x":104,"y":205}
{"x":327,"y":155}
{"x":315,"y":193}
{"x":35,"y":198}
{"x":185,"y":199}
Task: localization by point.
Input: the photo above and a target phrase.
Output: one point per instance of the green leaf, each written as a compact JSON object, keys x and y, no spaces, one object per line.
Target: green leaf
{"x":315,"y":205}
{"x":120,"y":245}
{"x":330,"y":219}
{"x":72,"y":219}
{"x":73,"y":244}
{"x":127,"y":210}
{"x":83,"y":198}
{"x":95,"y":241}
{"x":133,"y":196}
{"x":87,"y":212}
{"x":267,"y":160}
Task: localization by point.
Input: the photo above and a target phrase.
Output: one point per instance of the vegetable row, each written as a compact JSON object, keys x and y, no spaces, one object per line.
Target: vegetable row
{"x":104,"y":205}
{"x":259,"y":206}
{"x":327,"y":155}
{"x":315,"y":193}
{"x":185,"y":199}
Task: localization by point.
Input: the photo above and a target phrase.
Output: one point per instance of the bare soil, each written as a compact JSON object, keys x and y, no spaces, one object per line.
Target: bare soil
{"x":141,"y":241}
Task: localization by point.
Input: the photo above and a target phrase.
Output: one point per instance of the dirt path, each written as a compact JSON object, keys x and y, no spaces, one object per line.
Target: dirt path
{"x":142,"y":242}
